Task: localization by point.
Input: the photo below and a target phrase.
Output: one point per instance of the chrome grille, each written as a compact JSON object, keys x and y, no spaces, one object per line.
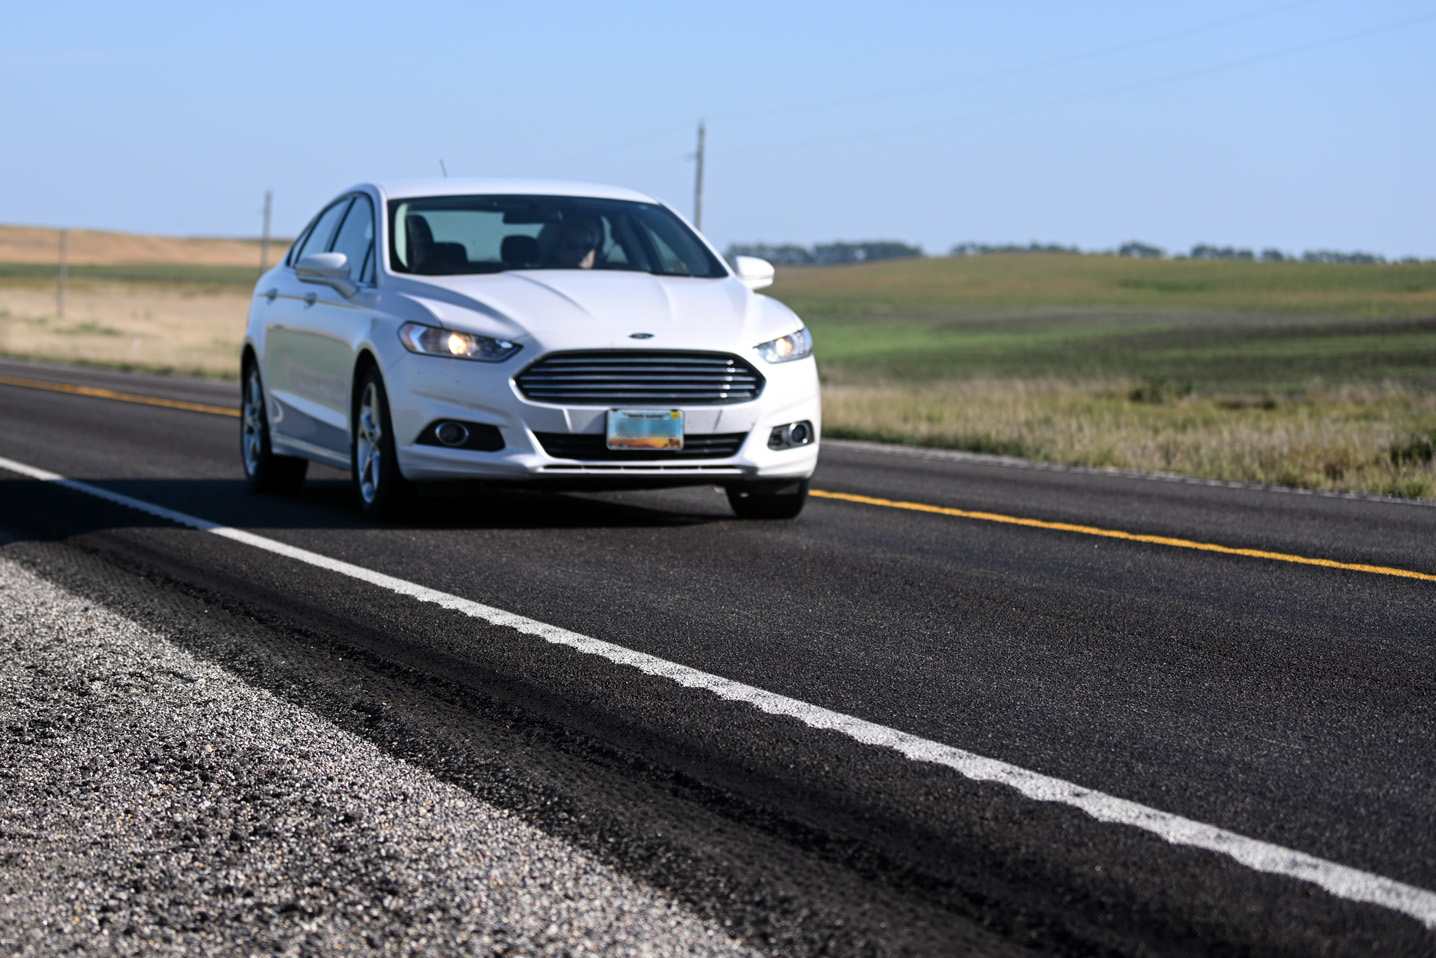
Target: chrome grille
{"x":640,"y":378}
{"x":562,"y":445}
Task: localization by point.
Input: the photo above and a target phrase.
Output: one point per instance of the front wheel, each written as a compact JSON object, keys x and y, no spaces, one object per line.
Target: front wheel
{"x":263,"y":470}
{"x":768,"y":500}
{"x":383,"y":492}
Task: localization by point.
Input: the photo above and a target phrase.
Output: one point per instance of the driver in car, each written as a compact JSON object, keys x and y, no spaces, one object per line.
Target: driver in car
{"x":576,"y":245}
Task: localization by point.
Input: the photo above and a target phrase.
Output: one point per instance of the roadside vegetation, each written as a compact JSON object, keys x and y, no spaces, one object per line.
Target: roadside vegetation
{"x":1313,"y":375}
{"x":210,"y":277}
{"x":1371,"y":439}
{"x":1307,"y":374}
{"x":175,"y":328}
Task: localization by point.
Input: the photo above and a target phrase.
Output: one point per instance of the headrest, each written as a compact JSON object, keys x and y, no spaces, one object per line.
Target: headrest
{"x":419,"y":231}
{"x":519,"y":249}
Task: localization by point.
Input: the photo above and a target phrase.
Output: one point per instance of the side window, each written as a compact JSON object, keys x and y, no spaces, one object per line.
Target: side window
{"x":292,"y":256}
{"x":356,"y":239}
{"x":318,"y":239}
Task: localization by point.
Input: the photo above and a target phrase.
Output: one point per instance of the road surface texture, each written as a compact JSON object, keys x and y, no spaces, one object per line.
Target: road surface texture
{"x":960,"y":706}
{"x":155,"y":804}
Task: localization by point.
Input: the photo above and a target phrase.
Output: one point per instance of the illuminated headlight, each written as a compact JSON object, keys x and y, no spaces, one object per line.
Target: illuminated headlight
{"x":787,"y":348}
{"x":431,"y":341}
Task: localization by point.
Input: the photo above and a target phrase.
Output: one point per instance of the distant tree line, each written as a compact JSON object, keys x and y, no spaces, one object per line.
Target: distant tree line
{"x":1139,"y":250}
{"x":1269,"y":255}
{"x":833,"y":254}
{"x":985,"y":249}
{"x":826,"y":254}
{"x":1332,"y":256}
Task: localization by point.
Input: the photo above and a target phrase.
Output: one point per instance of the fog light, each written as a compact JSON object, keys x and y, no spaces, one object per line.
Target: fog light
{"x":451,"y":434}
{"x":791,"y":436}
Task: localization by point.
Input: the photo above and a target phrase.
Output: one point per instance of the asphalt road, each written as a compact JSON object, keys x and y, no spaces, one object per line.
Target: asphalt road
{"x":996,"y":610}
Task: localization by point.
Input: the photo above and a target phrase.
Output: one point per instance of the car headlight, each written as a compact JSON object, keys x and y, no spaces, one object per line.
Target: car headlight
{"x":784,"y":349}
{"x":431,"y":341}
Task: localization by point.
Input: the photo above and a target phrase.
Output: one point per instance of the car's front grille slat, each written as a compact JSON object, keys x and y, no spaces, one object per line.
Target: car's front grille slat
{"x":646,"y":375}
{"x":592,"y":447}
{"x":622,"y":377}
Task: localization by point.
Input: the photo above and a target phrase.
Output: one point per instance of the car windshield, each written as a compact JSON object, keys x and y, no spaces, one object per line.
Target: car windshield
{"x":450,"y":235}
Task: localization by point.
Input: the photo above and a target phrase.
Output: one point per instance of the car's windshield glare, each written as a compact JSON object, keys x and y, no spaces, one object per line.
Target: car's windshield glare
{"x":448,"y":235}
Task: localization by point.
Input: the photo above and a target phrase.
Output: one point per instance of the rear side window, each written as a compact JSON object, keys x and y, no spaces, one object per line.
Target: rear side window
{"x":317,"y":240}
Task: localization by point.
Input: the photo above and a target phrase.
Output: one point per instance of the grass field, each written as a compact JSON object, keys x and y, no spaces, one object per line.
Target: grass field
{"x":1214,"y":325}
{"x":218,"y":276}
{"x":1309,"y":375}
{"x":1372,"y":439}
{"x":927,"y":287}
{"x":181,"y":328}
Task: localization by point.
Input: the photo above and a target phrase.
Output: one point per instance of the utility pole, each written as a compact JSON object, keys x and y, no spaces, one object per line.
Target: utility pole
{"x":64,"y":273}
{"x":698,"y":183}
{"x":264,"y":241}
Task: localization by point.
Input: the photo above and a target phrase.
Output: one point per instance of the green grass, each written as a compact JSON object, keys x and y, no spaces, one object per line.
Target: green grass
{"x":938,"y":286}
{"x":1218,"y":326}
{"x":1214,"y":353}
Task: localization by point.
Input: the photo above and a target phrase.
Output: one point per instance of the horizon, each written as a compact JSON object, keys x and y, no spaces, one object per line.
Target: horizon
{"x":1033,"y":248}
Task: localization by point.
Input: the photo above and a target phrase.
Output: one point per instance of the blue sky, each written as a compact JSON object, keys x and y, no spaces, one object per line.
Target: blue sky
{"x":1297,"y":125}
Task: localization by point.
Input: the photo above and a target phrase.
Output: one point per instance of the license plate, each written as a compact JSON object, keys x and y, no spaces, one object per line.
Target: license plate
{"x":645,"y":429}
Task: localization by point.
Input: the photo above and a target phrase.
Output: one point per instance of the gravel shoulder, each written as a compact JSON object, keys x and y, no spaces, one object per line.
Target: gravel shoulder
{"x":152,"y":803}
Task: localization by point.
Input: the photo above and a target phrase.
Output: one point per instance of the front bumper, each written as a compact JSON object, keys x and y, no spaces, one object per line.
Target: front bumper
{"x":424,"y":390}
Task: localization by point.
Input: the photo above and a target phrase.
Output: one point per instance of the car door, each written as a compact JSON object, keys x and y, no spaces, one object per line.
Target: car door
{"x":296,"y":420}
{"x":315,"y":332}
{"x":338,"y":322}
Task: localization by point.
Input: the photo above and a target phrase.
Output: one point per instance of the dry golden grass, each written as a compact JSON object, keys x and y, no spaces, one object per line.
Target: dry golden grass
{"x":38,"y":244}
{"x":170,"y":329}
{"x":183,"y":328}
{"x":1370,"y":439}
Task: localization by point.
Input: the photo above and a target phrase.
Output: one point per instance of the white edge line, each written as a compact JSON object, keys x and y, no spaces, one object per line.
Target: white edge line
{"x":1344,"y":882}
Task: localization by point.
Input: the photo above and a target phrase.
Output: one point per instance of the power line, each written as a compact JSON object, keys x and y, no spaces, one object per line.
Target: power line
{"x":1092,"y":95}
{"x":589,"y":155}
{"x":1034,"y":67}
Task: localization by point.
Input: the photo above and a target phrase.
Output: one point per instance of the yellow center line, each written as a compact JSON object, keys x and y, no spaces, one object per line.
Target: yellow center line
{"x":121,"y":397}
{"x":1119,"y":534}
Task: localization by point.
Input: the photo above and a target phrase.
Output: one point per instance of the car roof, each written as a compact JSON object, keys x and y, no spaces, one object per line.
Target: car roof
{"x":408,"y":189}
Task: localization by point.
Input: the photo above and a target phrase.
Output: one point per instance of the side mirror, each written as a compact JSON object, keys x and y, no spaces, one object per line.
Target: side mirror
{"x":754,"y":272}
{"x":326,"y":269}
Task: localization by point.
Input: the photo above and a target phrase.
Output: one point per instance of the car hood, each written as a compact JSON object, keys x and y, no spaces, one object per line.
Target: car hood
{"x":605,"y":309}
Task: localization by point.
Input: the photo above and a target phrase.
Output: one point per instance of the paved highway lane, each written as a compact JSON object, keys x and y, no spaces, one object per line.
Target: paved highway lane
{"x":1285,"y":702}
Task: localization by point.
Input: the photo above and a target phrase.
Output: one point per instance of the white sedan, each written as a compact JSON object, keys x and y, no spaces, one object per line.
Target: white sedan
{"x":451,"y":333}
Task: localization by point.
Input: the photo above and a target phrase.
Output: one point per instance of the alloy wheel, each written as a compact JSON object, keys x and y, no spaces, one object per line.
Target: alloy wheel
{"x":368,"y":443}
{"x":252,"y":414}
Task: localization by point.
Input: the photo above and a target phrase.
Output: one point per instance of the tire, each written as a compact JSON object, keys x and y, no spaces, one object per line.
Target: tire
{"x":263,"y":470}
{"x":383,"y":492}
{"x":768,"y":500}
